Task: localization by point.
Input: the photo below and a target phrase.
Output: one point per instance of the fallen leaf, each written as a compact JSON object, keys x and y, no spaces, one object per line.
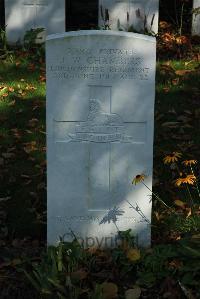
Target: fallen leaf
{"x":189,"y":212}
{"x":5,"y":95}
{"x":3,"y":89}
{"x":30,"y":147}
{"x":170,"y":124}
{"x":79,"y":275}
{"x":31,"y":67}
{"x":179,"y":203}
{"x":133,"y":293}
{"x":166,"y":89}
{"x":42,"y":78}
{"x":175,"y":81}
{"x":183,"y":72}
{"x":11,"y":89}
{"x":109,"y":290}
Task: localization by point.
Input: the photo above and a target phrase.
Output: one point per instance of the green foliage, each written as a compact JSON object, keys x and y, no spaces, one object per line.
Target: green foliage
{"x":34,"y":43}
{"x":50,"y":277}
{"x":5,"y":53}
{"x":3,"y":40}
{"x":184,"y":225}
{"x":30,"y":37}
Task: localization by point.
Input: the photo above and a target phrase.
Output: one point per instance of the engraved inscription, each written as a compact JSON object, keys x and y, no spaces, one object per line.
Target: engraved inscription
{"x":100,"y":126}
{"x":90,"y":218}
{"x":101,"y":64}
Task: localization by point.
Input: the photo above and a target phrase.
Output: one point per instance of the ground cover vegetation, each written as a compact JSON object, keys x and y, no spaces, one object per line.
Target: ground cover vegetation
{"x":171,"y":268}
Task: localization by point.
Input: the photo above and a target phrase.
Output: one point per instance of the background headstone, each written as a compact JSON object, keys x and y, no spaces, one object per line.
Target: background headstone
{"x":100,"y":123}
{"x":22,"y":15}
{"x":196,"y":19}
{"x":140,"y":12}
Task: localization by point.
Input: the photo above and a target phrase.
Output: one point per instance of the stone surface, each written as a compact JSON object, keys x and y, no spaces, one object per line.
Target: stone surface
{"x":137,"y":10}
{"x":100,"y":111}
{"x":196,"y":19}
{"x":22,"y":15}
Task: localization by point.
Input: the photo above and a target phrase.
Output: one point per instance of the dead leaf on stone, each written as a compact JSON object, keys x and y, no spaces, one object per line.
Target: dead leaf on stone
{"x":133,"y":293}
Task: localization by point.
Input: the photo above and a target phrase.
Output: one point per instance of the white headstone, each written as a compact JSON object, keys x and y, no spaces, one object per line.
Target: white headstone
{"x":100,"y":123}
{"x":140,"y":12}
{"x":23,"y":15}
{"x":196,"y":19}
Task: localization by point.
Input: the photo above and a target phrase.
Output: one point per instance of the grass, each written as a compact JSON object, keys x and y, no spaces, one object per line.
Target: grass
{"x":23,"y":173}
{"x":22,"y":106}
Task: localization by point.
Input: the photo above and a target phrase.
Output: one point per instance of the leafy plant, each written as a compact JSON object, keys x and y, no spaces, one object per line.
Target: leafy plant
{"x":34,"y":43}
{"x":52,"y":276}
{"x":31,"y":36}
{"x":4,"y":51}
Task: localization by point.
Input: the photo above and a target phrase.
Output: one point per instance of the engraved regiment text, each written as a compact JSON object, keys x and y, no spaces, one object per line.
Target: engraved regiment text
{"x":100,"y":64}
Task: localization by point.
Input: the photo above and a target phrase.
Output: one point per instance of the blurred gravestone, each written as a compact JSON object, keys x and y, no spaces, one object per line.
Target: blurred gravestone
{"x":123,"y":14}
{"x":196,"y":18}
{"x":100,"y":120}
{"x":23,"y":15}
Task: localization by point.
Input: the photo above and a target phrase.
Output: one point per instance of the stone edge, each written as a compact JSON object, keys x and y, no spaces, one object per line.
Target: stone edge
{"x":100,"y":33}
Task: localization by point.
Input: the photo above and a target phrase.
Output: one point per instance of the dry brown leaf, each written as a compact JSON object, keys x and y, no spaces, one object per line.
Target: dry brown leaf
{"x":183,"y":72}
{"x":5,"y":95}
{"x":133,"y":293}
{"x":110,"y":290}
{"x":11,"y":89}
{"x":179,"y":203}
{"x":79,"y":275}
{"x":166,"y":89}
{"x":171,"y":124}
{"x":189,"y":212}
